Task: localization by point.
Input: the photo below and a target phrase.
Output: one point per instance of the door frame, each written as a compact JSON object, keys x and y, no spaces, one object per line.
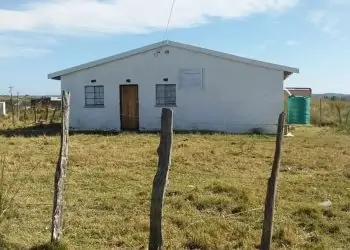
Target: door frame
{"x":121,"y":106}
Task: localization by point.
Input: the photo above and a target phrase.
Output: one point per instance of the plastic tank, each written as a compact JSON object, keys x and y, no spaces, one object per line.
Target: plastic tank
{"x":298,"y":109}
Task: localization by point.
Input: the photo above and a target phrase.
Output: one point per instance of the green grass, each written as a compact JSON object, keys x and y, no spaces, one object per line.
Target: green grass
{"x":215,"y":196}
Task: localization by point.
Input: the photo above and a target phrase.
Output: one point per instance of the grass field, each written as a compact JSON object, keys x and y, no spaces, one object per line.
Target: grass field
{"x":330,"y":112}
{"x":215,"y":196}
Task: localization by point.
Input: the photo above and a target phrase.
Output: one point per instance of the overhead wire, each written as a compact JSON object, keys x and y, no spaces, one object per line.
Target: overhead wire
{"x":169,"y":20}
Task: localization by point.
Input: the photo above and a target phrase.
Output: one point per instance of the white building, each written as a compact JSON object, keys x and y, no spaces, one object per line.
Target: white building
{"x":2,"y":109}
{"x":208,"y":90}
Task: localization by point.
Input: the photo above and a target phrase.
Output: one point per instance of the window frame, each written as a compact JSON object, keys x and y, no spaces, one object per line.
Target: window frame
{"x":163,"y":100}
{"x":98,"y":96}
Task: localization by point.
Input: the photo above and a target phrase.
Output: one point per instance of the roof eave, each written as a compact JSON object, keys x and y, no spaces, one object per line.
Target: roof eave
{"x":57,"y":75}
{"x":54,"y":77}
{"x":288,"y":72}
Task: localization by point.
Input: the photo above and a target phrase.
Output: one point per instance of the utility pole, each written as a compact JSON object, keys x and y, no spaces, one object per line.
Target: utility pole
{"x":11,"y":101}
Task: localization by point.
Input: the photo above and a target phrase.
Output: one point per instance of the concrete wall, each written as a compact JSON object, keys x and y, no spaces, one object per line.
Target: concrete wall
{"x":2,"y":108}
{"x":236,"y":97}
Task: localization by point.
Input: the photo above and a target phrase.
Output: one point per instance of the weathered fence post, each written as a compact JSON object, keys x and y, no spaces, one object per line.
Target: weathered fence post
{"x":25,"y":110}
{"x":47,"y":112}
{"x":320,"y":111}
{"x":18,"y":113}
{"x":35,"y":113}
{"x":266,"y":237}
{"x":57,"y":213}
{"x":160,"y":180}
{"x":53,"y":115}
{"x":12,"y":110}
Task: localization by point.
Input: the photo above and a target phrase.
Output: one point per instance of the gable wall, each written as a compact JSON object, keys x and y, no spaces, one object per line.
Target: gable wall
{"x":235,"y":96}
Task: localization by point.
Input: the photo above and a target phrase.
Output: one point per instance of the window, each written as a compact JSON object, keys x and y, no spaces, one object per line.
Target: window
{"x":166,"y":94}
{"x":94,"y":96}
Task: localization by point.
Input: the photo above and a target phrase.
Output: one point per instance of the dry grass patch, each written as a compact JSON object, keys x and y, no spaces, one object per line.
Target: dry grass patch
{"x":217,"y":186}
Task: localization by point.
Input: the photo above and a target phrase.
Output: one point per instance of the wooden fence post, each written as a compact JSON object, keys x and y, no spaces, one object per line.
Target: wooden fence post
{"x":34,"y":113}
{"x":266,"y":237}
{"x":160,"y":180}
{"x":320,"y":111}
{"x":12,"y":110}
{"x":25,"y":109}
{"x":53,"y":114}
{"x":47,"y":112}
{"x":18,"y":115}
{"x":57,"y":213}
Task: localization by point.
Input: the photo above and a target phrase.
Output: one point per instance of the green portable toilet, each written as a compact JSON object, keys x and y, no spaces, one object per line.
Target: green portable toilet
{"x":298,"y":109}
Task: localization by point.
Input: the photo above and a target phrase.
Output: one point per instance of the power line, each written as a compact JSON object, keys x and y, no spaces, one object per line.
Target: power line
{"x":167,"y":26}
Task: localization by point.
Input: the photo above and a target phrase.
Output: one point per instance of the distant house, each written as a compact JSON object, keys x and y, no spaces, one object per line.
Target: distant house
{"x":208,"y":90}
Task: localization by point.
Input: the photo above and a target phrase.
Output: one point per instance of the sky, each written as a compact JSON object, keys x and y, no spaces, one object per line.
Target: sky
{"x":38,"y":37}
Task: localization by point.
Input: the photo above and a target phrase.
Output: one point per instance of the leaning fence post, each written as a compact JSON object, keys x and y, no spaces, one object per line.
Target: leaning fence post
{"x":160,"y":180}
{"x":266,"y":237}
{"x":57,"y":213}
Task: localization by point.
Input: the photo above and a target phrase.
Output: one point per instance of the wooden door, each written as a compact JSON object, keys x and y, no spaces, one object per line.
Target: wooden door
{"x":129,"y":107}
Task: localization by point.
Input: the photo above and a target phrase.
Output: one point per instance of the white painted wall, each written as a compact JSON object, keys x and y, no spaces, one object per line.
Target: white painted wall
{"x":2,"y":108}
{"x":236,"y":97}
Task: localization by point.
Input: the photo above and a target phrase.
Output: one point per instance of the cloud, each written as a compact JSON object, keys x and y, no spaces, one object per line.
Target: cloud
{"x":16,"y":45}
{"x":338,"y":2}
{"x":127,"y":16}
{"x":325,"y":20}
{"x":317,"y":16}
{"x":292,"y":42}
{"x":332,"y":17}
{"x":42,"y":22}
{"x":21,"y":51}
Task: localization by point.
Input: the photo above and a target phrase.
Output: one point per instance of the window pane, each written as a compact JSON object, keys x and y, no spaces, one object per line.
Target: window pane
{"x":94,"y":95}
{"x":99,"y":101}
{"x":89,"y":95}
{"x":99,"y":95}
{"x":165,"y":94}
{"x":89,"y":89}
{"x":89,"y":101}
{"x":101,"y":89}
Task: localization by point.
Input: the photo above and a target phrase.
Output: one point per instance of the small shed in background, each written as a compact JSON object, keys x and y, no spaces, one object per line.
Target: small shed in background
{"x":2,"y":108}
{"x":46,"y":101}
{"x":300,"y":91}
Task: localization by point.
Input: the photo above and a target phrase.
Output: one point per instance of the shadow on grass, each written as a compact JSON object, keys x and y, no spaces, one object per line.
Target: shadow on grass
{"x":33,"y":131}
{"x":53,"y":129}
{"x":4,"y":245}
{"x":50,"y":246}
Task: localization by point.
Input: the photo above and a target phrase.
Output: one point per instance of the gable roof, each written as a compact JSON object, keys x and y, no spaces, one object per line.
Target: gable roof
{"x":287,"y":70}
